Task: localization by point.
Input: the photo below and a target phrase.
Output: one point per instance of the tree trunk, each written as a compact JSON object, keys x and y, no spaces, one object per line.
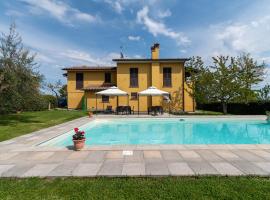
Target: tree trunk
{"x":57,"y":99}
{"x":224,"y":108}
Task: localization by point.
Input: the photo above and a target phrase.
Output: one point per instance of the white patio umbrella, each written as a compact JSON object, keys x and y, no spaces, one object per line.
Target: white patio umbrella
{"x":112,"y":91}
{"x":151,"y":91}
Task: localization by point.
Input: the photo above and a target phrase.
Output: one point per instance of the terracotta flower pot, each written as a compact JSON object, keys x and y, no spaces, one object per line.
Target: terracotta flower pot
{"x":90,"y":114}
{"x":78,"y":144}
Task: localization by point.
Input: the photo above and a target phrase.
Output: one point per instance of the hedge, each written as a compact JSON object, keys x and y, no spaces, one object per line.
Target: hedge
{"x":253,"y":108}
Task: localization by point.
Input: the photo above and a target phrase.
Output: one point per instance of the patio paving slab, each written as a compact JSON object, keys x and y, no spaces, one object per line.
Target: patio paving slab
{"x":114,"y":154}
{"x":226,"y":168}
{"x":209,"y":156}
{"x":40,"y":170}
{"x":4,"y":168}
{"x":249,"y":168}
{"x":180,"y":168}
{"x":246,"y":155}
{"x":78,"y":155}
{"x":64,"y":169}
{"x":17,"y":170}
{"x":40,"y":156}
{"x":95,"y":156}
{"x":6,"y":156}
{"x":136,"y":157}
{"x":171,"y":156}
{"x":111,"y":169}
{"x":228,"y":155}
{"x":261,"y":153}
{"x":203,"y":168}
{"x":152,"y":154}
{"x":157,"y":169}
{"x":58,"y":156}
{"x":264,"y":165}
{"x":133,"y":169}
{"x":190,"y":155}
{"x":86,"y":169}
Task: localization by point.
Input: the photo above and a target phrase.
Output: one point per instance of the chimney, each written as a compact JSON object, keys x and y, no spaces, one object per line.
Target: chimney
{"x":155,"y":51}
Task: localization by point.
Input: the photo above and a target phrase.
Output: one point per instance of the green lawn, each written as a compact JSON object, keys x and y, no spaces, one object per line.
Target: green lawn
{"x":14,"y":125}
{"x":137,"y":188}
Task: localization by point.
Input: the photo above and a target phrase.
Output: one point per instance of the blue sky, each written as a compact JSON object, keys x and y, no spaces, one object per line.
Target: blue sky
{"x":90,"y":32}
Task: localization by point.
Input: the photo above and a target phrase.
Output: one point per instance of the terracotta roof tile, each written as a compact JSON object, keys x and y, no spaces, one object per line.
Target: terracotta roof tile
{"x":149,"y":60}
{"x":103,"y":86}
{"x":90,"y":68}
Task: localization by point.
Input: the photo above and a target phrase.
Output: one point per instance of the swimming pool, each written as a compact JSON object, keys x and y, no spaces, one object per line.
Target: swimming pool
{"x":169,"y":131}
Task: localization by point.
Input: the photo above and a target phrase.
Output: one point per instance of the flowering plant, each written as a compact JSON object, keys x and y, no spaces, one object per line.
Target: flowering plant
{"x":79,"y":135}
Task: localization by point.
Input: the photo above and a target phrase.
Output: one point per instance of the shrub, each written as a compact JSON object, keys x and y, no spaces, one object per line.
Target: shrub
{"x":253,"y":108}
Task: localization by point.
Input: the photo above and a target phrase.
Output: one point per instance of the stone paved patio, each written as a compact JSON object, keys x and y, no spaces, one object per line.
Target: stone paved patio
{"x":21,"y":157}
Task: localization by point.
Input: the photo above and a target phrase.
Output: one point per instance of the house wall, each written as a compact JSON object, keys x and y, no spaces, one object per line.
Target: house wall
{"x":92,"y":101}
{"x":189,"y":101}
{"x":148,"y":74}
{"x":152,"y":75}
{"x":144,"y":80}
{"x":90,"y":78}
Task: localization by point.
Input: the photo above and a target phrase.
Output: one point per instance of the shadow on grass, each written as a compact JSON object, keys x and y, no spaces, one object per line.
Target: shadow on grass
{"x":7,"y":120}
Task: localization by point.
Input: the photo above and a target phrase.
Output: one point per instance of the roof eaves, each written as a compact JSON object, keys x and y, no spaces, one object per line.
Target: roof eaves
{"x":152,"y":60}
{"x":90,"y":68}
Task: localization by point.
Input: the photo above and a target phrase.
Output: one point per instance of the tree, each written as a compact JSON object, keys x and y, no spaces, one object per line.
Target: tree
{"x":264,"y":93}
{"x":250,"y":74}
{"x":3,"y":84}
{"x":19,"y":79}
{"x":175,"y":102}
{"x":199,"y":80}
{"x":217,"y":83}
{"x":54,"y":88}
{"x":225,"y":84}
{"x":63,"y":91}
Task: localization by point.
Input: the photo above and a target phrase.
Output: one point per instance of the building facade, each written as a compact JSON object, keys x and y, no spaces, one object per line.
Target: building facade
{"x":131,"y":76}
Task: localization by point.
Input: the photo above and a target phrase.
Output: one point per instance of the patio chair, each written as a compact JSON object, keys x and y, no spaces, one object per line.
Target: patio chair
{"x":119,"y":110}
{"x":132,"y":110}
{"x":108,"y":110}
{"x":128,"y":110}
{"x":160,"y":110}
{"x":149,"y":110}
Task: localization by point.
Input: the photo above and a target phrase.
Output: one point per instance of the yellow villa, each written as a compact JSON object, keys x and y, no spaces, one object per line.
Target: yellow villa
{"x":131,"y":76}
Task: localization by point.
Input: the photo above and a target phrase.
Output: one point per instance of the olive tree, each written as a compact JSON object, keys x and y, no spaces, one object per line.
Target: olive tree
{"x":19,"y":78}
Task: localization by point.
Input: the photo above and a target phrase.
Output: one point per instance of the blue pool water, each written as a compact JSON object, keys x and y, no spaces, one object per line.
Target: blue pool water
{"x":170,"y":131}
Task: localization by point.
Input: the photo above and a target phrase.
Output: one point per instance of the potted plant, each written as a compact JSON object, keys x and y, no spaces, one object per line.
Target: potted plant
{"x":90,"y":114}
{"x":78,"y":139}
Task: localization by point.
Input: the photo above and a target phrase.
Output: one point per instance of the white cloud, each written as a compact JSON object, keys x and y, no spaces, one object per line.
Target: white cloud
{"x":183,"y":51}
{"x":82,"y":57}
{"x":134,"y":38}
{"x":43,"y":58}
{"x":158,"y":28}
{"x":233,"y":38}
{"x":84,"y":17}
{"x":137,"y":56}
{"x":116,"y":5}
{"x":163,"y":14}
{"x":59,"y":10}
{"x":248,"y":37}
{"x":14,"y":13}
